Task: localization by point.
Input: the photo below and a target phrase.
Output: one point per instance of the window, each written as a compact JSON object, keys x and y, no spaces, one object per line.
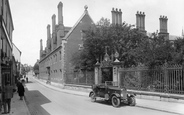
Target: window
{"x":56,"y":57}
{"x":59,"y":55}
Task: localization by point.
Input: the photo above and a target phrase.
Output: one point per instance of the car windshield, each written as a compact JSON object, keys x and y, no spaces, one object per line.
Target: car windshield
{"x":111,"y":83}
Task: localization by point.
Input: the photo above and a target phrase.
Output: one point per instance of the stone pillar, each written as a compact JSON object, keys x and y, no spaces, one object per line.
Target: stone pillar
{"x":116,"y":78}
{"x":97,"y":73}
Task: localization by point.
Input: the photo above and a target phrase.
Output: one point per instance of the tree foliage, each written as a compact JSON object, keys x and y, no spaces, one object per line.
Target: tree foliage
{"x":36,"y":68}
{"x":133,"y":46}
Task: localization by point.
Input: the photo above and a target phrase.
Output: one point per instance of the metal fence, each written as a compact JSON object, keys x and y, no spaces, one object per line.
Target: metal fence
{"x":166,"y":78}
{"x":82,"y":77}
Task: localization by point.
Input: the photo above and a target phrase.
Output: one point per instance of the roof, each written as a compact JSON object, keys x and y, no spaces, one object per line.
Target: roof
{"x":16,"y":53}
{"x":71,"y":30}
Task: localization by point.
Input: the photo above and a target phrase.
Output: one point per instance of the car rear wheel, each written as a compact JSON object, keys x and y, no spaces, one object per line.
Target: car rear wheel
{"x":93,"y":98}
{"x":132,"y":101}
{"x":115,"y":101}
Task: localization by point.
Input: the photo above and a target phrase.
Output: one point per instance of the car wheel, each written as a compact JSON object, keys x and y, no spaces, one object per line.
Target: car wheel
{"x":132,"y":101}
{"x":115,"y":101}
{"x":93,"y":98}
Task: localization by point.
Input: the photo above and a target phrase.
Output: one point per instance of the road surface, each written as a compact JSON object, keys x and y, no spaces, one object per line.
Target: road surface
{"x":45,"y":101}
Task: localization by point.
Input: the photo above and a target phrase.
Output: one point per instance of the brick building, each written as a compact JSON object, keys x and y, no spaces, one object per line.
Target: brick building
{"x":6,"y":47}
{"x":62,"y":44}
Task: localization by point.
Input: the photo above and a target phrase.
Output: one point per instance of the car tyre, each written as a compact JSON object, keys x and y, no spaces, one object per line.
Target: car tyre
{"x":115,"y":101}
{"x":132,"y":101}
{"x":93,"y":98}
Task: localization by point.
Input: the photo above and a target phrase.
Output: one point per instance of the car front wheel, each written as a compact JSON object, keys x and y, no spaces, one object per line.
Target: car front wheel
{"x":132,"y":101}
{"x":93,"y":98}
{"x":115,"y":101}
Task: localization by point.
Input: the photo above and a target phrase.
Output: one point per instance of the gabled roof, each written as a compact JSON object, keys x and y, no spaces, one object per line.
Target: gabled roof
{"x":83,"y":15}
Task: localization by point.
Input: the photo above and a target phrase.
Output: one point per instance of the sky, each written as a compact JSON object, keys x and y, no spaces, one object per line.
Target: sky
{"x":31,"y":17}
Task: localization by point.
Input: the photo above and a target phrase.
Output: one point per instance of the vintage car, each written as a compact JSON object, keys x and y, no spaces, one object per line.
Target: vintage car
{"x":110,"y":92}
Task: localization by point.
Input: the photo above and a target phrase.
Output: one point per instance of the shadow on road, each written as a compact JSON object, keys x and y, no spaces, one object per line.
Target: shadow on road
{"x":108,"y":103}
{"x":34,"y":99}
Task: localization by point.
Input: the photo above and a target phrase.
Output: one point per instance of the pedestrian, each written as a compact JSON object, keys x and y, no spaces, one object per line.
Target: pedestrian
{"x":0,"y":99}
{"x":8,"y":94}
{"x":27,"y":79}
{"x":21,"y":91}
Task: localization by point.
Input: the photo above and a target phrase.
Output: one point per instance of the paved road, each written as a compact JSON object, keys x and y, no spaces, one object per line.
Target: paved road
{"x":44,"y":101}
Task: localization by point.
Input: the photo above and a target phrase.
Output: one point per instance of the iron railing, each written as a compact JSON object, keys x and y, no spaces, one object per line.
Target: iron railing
{"x":166,"y":79}
{"x":82,"y":77}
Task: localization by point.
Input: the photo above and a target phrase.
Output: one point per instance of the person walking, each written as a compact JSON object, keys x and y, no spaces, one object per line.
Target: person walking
{"x":21,"y":90}
{"x":8,"y":94}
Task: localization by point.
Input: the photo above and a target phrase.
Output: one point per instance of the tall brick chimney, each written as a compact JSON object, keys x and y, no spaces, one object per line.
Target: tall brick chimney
{"x":116,"y":16}
{"x":48,"y":38}
{"x":120,"y":17}
{"x":60,"y":13}
{"x":113,"y":16}
{"x":140,"y":21}
{"x":53,"y":23}
{"x":41,"y":45}
{"x":41,"y":48}
{"x":53,"y":41}
{"x":48,"y":31}
{"x":163,"y":26}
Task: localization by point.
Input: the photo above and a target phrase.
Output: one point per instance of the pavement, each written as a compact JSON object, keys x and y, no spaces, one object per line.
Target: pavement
{"x":19,"y":107}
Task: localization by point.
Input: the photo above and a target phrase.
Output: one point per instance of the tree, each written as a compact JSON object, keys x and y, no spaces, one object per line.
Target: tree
{"x":36,"y":69}
{"x":179,"y":51}
{"x":121,"y":38}
{"x":154,"y":50}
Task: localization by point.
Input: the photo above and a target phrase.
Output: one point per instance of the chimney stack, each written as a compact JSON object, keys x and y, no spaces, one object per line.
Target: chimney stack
{"x":41,"y":48}
{"x":120,"y":17}
{"x":116,"y":16}
{"x":140,"y":21}
{"x":163,"y":26}
{"x":113,"y":16}
{"x":60,"y":13}
{"x":48,"y":38}
{"x":48,"y":31}
{"x":41,"y":45}
{"x":53,"y":23}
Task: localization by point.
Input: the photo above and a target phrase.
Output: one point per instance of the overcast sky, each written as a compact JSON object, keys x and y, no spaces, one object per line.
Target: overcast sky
{"x":31,"y":17}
